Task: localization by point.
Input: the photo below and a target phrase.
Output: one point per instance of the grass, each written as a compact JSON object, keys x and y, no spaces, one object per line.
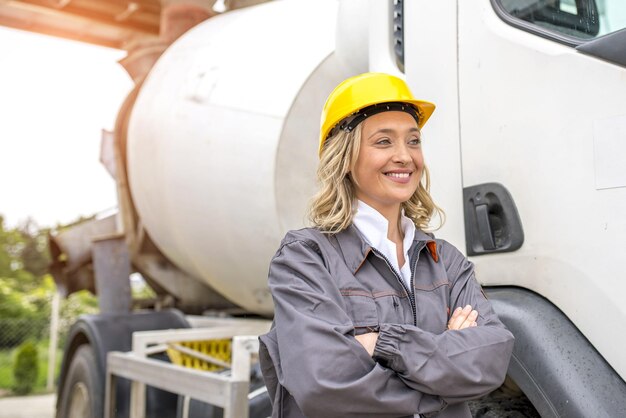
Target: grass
{"x":6,"y":369}
{"x":7,"y":357}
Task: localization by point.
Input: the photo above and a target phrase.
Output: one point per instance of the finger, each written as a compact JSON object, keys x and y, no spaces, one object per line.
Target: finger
{"x":452,"y":318}
{"x":473,"y":315}
{"x":467,"y":320}
{"x":455,"y":315}
{"x":460,"y":318}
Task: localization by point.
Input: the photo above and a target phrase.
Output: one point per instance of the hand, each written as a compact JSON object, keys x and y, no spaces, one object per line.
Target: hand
{"x":368,"y":341}
{"x":463,"y":318}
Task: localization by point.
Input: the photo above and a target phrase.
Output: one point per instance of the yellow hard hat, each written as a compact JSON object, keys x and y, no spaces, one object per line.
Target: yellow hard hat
{"x":364,"y":91}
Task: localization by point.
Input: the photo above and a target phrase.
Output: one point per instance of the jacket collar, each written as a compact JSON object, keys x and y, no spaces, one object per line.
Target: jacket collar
{"x":355,"y":248}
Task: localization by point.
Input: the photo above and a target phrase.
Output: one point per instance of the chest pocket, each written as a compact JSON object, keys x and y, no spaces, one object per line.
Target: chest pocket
{"x":370,"y":309}
{"x":432,"y":307}
{"x":393,"y":307}
{"x":361,"y":308}
{"x":432,"y":296}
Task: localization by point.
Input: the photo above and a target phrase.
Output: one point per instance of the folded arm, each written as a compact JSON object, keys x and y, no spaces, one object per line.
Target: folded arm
{"x":458,"y":364}
{"x":321,"y":361}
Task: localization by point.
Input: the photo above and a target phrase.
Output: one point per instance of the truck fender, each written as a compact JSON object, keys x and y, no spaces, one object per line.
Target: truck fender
{"x":113,"y":332}
{"x":553,"y":363}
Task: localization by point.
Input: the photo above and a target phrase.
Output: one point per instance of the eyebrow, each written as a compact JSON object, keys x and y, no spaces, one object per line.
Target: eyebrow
{"x":391,"y":131}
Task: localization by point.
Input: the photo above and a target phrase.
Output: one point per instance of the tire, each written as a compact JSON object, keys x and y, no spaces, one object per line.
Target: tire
{"x":508,"y":401}
{"x":82,"y":395}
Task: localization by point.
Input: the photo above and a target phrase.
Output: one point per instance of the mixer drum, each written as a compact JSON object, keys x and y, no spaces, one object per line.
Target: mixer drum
{"x":222,"y":142}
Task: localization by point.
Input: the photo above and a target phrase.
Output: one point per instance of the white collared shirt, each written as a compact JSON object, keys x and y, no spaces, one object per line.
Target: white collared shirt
{"x":375,"y":227}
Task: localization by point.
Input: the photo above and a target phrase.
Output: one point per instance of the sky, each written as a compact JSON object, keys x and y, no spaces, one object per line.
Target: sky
{"x":56,"y":96}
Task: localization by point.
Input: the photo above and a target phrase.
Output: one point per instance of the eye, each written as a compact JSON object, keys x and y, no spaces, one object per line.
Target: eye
{"x":383,"y":141}
{"x":415,"y":141}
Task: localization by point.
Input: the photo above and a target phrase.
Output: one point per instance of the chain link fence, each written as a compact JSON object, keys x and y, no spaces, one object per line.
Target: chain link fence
{"x":40,"y":330}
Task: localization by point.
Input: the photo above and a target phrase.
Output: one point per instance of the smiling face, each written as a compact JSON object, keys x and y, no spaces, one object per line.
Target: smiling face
{"x":389,"y":165}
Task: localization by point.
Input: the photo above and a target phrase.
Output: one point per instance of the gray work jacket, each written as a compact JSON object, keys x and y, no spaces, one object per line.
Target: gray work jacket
{"x":328,"y":288}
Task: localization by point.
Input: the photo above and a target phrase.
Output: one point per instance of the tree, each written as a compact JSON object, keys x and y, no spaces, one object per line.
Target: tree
{"x":26,"y":287}
{"x":34,"y":254}
{"x":24,"y":294}
{"x":26,"y":368}
{"x":24,"y":254}
{"x":10,"y":241}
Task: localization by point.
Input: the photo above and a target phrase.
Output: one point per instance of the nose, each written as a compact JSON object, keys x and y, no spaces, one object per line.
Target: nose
{"x":402,"y":154}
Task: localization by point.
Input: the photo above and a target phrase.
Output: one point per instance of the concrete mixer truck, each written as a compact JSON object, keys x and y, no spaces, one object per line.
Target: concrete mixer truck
{"x":214,"y":155}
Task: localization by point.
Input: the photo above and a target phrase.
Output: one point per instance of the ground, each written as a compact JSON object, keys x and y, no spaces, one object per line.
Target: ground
{"x":36,"y":406}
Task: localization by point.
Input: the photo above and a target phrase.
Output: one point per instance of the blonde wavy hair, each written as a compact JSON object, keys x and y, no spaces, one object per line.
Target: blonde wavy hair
{"x":333,"y":206}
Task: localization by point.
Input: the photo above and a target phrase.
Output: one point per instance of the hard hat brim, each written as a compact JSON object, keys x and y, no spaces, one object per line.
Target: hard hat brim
{"x":424,"y":111}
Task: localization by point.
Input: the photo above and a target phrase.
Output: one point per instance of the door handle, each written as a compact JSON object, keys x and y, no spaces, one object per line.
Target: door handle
{"x":484,"y":227}
{"x":492,"y":223}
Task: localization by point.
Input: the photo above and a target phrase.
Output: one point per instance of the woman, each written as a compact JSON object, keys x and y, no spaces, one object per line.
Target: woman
{"x":373,"y":316}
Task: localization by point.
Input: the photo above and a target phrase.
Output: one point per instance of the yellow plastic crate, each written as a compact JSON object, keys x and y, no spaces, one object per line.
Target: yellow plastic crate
{"x":218,"y":349}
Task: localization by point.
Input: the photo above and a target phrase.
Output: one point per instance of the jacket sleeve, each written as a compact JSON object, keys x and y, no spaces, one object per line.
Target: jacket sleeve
{"x":321,"y":362}
{"x":457,"y":364}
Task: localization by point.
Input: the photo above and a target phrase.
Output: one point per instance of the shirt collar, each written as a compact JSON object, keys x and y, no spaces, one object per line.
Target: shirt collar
{"x":355,"y":247}
{"x":375,"y":227}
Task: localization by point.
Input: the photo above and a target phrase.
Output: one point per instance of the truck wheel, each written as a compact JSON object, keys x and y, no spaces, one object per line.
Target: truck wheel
{"x":82,"y":395}
{"x":508,"y":401}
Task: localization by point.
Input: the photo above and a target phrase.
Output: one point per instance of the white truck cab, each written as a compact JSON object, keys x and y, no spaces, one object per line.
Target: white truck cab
{"x":527,"y":152}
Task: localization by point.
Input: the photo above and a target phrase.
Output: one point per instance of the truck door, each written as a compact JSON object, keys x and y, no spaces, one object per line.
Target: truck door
{"x":427,"y":34}
{"x":542,"y":112}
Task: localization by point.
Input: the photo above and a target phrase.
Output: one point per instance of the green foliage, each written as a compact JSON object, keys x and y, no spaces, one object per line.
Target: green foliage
{"x":8,"y":357}
{"x":6,"y":369}
{"x":25,"y":288}
{"x":43,"y":365}
{"x":9,"y":250}
{"x":24,"y":315}
{"x":81,"y":302}
{"x":12,"y":304}
{"x":26,"y":368}
{"x":26,"y":291}
{"x":141,"y":290}
{"x":24,"y":254}
{"x":34,"y":254}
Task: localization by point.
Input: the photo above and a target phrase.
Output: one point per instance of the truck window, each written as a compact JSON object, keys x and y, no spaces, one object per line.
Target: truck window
{"x":569,"y":21}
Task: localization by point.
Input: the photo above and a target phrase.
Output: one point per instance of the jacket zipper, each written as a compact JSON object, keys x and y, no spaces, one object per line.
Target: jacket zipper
{"x":418,"y":251}
{"x":395,"y":273}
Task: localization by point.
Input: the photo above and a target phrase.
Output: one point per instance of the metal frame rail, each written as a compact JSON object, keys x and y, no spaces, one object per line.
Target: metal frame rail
{"x":226,"y":391}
